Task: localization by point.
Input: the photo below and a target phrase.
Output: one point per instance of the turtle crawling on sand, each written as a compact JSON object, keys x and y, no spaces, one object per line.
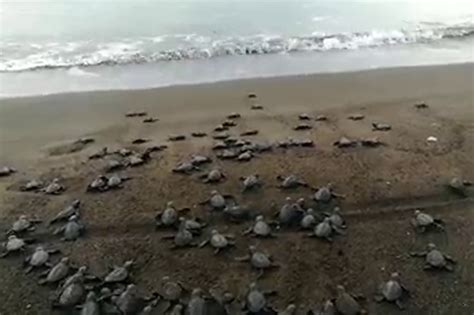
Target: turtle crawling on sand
{"x":303,"y":126}
{"x":251,"y":182}
{"x":256,"y":107}
{"x":176,"y":137}
{"x":218,"y":241}
{"x":6,"y":171}
{"x":325,"y":194}
{"x":255,"y":300}
{"x":185,"y":168}
{"x":183,"y":238}
{"x":381,"y":127}
{"x":119,"y":274}
{"x":136,"y":114}
{"x":57,"y":273}
{"x":371,"y":142}
{"x":344,"y":142}
{"x":67,"y":212}
{"x":249,"y":132}
{"x":72,"y":292}
{"x":420,"y":105}
{"x":140,"y":140}
{"x":308,"y":220}
{"x":260,"y":228}
{"x":72,"y":230}
{"x":237,"y":213}
{"x":325,"y":230}
{"x":291,"y":182}
{"x":459,"y":186}
{"x":214,"y":176}
{"x":54,"y":188}
{"x":32,"y":185}
{"x":356,"y":117}
{"x":290,"y":213}
{"x":258,"y":260}
{"x":99,"y":154}
{"x":423,"y":221}
{"x":392,"y":291}
{"x":99,"y":184}
{"x":150,"y":120}
{"x":39,"y":258}
{"x":233,"y":115}
{"x":23,"y":224}
{"x":169,"y":216}
{"x":91,"y":305}
{"x":12,"y":245}
{"x":435,"y":259}
{"x":198,"y":134}
{"x":217,"y":201}
{"x":197,"y":159}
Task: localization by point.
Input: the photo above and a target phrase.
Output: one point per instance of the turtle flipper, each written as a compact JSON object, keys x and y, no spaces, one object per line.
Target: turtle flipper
{"x":242,"y":258}
{"x":378,"y":298}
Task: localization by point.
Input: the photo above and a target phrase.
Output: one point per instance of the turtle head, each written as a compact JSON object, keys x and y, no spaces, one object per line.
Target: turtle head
{"x":39,"y":249}
{"x":105,"y":291}
{"x":214,"y":192}
{"x":170,"y":204}
{"x":196,"y":292}
{"x":336,"y":210}
{"x":300,"y":201}
{"x":147,"y":309}
{"x":288,"y":199}
{"x":327,"y":220}
{"x":178,"y":308}
{"x":310,"y":211}
{"x":65,"y":260}
{"x":76,"y":203}
{"x":395,"y":276}
{"x":12,"y":237}
{"x":214,"y":232}
{"x":131,"y":288}
{"x":165,"y":279}
{"x":23,"y":217}
{"x":82,"y":269}
{"x":252,"y":248}
{"x":431,"y":246}
{"x":227,"y":297}
{"x":259,"y":218}
{"x":253,"y":286}
{"x":73,"y":218}
{"x":181,"y":219}
{"x":417,"y":212}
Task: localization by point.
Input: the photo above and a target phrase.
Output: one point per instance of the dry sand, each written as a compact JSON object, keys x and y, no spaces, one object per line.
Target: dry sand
{"x":382,"y":185}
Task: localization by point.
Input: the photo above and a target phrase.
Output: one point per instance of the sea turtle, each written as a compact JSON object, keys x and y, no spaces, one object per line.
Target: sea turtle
{"x":154,"y":148}
{"x":290,"y":213}
{"x":217,"y":201}
{"x":381,"y":127}
{"x":258,"y":260}
{"x":289,"y":310}
{"x":420,"y":105}
{"x":459,"y":186}
{"x":233,"y":115}
{"x":136,"y":114}
{"x":260,"y":228}
{"x":6,"y":171}
{"x":346,"y":304}
{"x":304,"y":116}
{"x":245,"y":156}
{"x":91,"y":305}
{"x":356,"y":117}
{"x":308,"y":221}
{"x":135,"y":160}
{"x":229,"y":123}
{"x":197,"y":159}
{"x":325,"y":194}
{"x":129,"y":300}
{"x":72,"y":293}
{"x":435,"y":259}
{"x":221,"y":136}
{"x":262,"y":147}
{"x":218,"y":241}
{"x":194,"y":226}
{"x":198,"y":134}
{"x":23,"y":224}
{"x":99,"y":184}
{"x":255,"y":299}
{"x":72,"y":230}
{"x":119,"y":273}
{"x":256,"y":107}
{"x":371,"y":142}
{"x":13,"y":244}
{"x":78,"y":276}
{"x":150,"y":120}
{"x":336,"y":220}
{"x":39,"y":258}
{"x":220,"y":145}
{"x":344,"y":142}
{"x":115,"y":181}
{"x":327,"y":308}
{"x":237,"y":213}
{"x":57,"y":273}
{"x":171,"y":291}
{"x":67,"y":212}
{"x":169,"y":216}
{"x":321,"y":118}
{"x":392,"y":291}
{"x":140,"y":140}
{"x":214,"y":176}
{"x":249,"y":132}
{"x":251,"y":182}
{"x":290,"y":182}
{"x":54,"y":188}
{"x":423,"y":221}
{"x":114,"y":165}
{"x":185,"y":168}
{"x":32,"y":185}
{"x":183,"y":238}
{"x":304,"y":143}
{"x":303,"y":126}
{"x":228,"y":154}
{"x":324,"y":230}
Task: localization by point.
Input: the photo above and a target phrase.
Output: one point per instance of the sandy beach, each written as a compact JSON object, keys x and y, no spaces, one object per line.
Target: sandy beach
{"x":381,"y":186}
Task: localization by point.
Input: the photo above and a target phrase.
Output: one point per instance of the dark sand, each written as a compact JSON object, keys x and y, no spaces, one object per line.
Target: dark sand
{"x":382,"y":185}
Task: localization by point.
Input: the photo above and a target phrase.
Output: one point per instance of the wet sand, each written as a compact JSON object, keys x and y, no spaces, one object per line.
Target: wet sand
{"x":381,"y":185}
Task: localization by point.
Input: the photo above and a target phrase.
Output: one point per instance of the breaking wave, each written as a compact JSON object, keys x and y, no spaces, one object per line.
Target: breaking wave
{"x":16,"y":57}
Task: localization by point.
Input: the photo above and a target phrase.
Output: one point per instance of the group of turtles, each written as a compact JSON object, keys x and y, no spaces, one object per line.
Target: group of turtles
{"x":113,"y":293}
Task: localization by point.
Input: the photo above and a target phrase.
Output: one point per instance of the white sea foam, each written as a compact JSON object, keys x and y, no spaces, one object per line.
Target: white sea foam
{"x":76,"y":71}
{"x":194,"y":46}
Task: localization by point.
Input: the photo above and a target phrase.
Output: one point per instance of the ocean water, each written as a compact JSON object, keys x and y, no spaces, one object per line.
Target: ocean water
{"x":50,"y":46}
